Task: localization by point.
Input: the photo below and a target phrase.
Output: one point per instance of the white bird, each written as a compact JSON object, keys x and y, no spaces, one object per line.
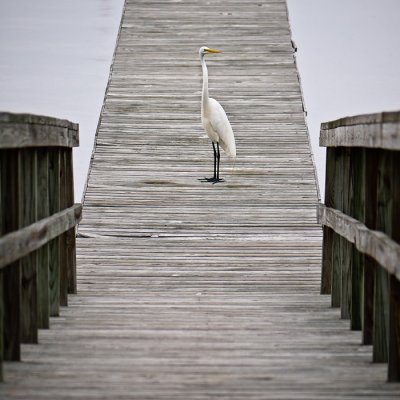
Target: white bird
{"x":214,"y":120}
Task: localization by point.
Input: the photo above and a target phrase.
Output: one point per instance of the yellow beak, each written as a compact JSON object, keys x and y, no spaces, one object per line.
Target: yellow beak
{"x":209,"y":50}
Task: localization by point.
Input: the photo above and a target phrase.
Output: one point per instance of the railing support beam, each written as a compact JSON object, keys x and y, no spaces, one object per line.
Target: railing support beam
{"x":363,"y":210}
{"x":37,"y":218}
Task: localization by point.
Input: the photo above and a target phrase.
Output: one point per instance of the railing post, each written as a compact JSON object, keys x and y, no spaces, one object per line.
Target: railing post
{"x":11,"y":274}
{"x":68,"y":247}
{"x":54,"y":245}
{"x":394,"y":334}
{"x":36,"y":208}
{"x":1,"y":324}
{"x":357,"y":211}
{"x":27,"y":180}
{"x":345,"y":246}
{"x":71,"y":234}
{"x":364,"y":209}
{"x":337,"y":241}
{"x":370,"y":265}
{"x":328,"y":234}
{"x":394,"y":283}
{"x":1,"y":278}
{"x":63,"y":239}
{"x":43,"y":211}
{"x":384,"y":224}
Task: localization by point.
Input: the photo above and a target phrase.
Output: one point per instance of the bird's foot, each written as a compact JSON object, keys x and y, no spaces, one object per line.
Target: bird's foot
{"x":213,"y":180}
{"x":208,"y":179}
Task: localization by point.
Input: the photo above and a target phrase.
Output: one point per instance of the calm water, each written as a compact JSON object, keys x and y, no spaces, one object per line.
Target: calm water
{"x":55,"y":60}
{"x":56,"y":55}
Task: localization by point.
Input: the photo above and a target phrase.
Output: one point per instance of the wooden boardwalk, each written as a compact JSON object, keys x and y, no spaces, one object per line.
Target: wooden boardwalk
{"x":188,"y":290}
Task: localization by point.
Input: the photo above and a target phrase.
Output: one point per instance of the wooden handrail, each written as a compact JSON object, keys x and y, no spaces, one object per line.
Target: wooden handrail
{"x":373,"y":243}
{"x":363,"y":119}
{"x":372,"y":130}
{"x":360,"y":218}
{"x":18,"y":244}
{"x":27,"y":130}
{"x":37,"y":225}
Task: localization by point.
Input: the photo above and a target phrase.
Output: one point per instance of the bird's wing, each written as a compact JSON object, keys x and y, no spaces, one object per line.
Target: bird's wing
{"x":220,"y":124}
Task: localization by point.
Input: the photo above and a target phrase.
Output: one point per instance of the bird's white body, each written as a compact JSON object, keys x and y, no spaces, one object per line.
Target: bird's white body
{"x":213,"y":117}
{"x":217,"y":126}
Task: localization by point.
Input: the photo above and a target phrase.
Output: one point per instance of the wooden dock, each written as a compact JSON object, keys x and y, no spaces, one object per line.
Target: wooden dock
{"x":188,"y":290}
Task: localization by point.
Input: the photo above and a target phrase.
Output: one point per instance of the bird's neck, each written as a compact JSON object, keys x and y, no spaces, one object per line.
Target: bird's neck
{"x":204,"y":94}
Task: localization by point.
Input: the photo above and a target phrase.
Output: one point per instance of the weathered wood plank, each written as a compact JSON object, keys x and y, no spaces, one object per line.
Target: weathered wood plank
{"x":371,"y":168}
{"x":380,"y":339}
{"x":27,"y":209}
{"x":394,"y":300}
{"x":25,"y":225}
{"x":1,"y":325}
{"x":380,"y":130}
{"x":328,"y":234}
{"x":376,"y":244}
{"x":345,"y":247}
{"x":32,"y":237}
{"x":54,"y":245}
{"x":2,"y":207}
{"x":364,"y":119}
{"x":27,"y":130}
{"x":12,"y":313}
{"x":337,"y":240}
{"x":71,"y":233}
{"x":63,"y":239}
{"x":12,"y":275}
{"x":394,"y":331}
{"x":188,"y":290}
{"x":43,"y":252}
{"x":357,"y":201}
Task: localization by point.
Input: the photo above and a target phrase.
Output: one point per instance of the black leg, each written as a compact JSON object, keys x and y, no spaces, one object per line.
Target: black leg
{"x":217,"y":157}
{"x":215,"y":160}
{"x":214,"y":178}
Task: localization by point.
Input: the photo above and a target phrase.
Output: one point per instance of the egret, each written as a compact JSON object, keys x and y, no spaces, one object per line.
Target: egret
{"x":214,"y":120}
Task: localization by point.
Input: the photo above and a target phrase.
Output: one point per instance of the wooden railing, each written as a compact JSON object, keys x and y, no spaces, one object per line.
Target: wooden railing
{"x":361,"y":219}
{"x":37,"y":225}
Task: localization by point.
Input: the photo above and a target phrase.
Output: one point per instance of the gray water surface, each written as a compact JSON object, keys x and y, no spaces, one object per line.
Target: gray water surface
{"x":55,"y":60}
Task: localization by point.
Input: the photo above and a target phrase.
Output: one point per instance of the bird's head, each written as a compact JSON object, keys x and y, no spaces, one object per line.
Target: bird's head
{"x":207,"y":50}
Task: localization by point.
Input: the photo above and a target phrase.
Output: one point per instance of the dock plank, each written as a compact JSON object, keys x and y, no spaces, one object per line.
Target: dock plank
{"x":188,"y":290}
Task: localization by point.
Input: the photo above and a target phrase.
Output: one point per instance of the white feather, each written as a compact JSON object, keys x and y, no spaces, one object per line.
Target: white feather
{"x":217,"y":126}
{"x":214,"y":119}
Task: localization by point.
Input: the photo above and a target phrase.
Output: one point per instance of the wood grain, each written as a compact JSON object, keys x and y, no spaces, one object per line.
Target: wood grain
{"x":357,"y":201}
{"x":374,"y":243}
{"x":12,"y":275}
{"x":380,"y":130}
{"x":24,"y":241}
{"x":27,"y":130}
{"x":188,"y":290}
{"x":27,"y":210}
